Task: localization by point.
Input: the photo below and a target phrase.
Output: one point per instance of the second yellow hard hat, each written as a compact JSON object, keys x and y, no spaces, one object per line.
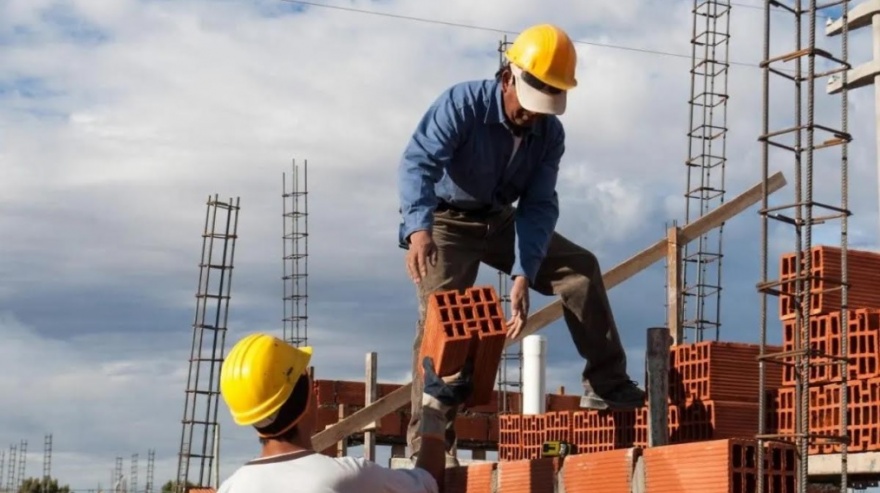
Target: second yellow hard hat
{"x":259,"y":374}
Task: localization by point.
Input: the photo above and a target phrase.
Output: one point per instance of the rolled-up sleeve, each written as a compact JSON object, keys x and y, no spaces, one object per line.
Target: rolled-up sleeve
{"x":429,"y":151}
{"x":538,"y":212}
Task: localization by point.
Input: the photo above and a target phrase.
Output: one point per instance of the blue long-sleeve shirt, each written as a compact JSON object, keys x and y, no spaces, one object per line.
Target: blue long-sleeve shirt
{"x":459,"y":154}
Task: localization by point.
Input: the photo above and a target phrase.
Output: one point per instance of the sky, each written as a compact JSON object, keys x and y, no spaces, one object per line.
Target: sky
{"x":119,"y":119}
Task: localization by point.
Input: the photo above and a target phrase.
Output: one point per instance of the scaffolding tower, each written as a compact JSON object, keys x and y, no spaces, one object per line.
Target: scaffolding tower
{"x":706,"y":160}
{"x":133,"y":475}
{"x":209,"y":336}
{"x":2,"y":467}
{"x":800,"y":140}
{"x":296,"y":254}
{"x":151,"y":470}
{"x":512,"y":358}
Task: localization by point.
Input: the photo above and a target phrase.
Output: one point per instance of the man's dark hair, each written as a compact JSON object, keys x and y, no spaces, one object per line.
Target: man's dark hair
{"x":293,"y":408}
{"x":500,"y":72}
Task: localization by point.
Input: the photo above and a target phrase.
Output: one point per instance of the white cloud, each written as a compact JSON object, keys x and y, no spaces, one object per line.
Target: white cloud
{"x":152,"y":106}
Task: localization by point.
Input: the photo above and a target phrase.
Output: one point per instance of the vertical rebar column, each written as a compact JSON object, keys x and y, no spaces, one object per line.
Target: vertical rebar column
{"x":133,"y":476}
{"x":117,"y":476}
{"x":296,"y":255}
{"x":209,"y":337}
{"x":47,"y":461}
{"x":797,"y":144}
{"x":151,"y":470}
{"x":512,"y":357}
{"x":10,"y":467}
{"x":22,"y":463}
{"x":706,"y":161}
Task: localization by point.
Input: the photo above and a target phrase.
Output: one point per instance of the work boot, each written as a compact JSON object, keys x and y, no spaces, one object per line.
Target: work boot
{"x":627,"y":395}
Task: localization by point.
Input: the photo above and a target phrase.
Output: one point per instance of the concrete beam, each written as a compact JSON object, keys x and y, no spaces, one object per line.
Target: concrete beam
{"x":858,"y":16}
{"x":858,"y":77}
{"x":857,"y":464}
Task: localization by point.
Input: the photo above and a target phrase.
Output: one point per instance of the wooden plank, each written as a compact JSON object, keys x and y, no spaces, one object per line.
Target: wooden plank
{"x":654,"y":253}
{"x":674,"y":303}
{"x":657,"y":360}
{"x":370,"y":394}
{"x":550,"y":313}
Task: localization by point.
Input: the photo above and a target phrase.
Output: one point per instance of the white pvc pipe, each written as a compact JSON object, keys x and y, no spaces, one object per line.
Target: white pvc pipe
{"x":534,"y":374}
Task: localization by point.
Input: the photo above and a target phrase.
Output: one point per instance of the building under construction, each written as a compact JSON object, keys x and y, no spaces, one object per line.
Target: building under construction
{"x":720,"y":416}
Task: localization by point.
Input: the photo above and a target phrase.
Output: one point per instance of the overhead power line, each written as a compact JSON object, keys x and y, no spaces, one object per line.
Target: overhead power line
{"x":504,"y":31}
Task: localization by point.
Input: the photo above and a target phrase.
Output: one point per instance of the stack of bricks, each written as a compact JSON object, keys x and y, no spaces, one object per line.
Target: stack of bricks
{"x":713,"y":395}
{"x":825,"y":324}
{"x":712,"y":466}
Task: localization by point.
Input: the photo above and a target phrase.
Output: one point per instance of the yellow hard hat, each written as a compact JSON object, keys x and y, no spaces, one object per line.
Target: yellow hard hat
{"x":542,"y":56}
{"x":259,"y":374}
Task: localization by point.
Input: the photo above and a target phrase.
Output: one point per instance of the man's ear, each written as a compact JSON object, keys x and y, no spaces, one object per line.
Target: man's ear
{"x":506,"y":79}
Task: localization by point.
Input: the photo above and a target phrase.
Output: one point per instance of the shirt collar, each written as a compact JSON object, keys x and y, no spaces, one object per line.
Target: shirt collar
{"x":495,"y":111}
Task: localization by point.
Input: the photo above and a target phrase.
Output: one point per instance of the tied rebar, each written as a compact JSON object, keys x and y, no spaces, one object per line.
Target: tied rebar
{"x":706,"y":161}
{"x":295,"y":241}
{"x":797,"y":144}
{"x":196,"y":455}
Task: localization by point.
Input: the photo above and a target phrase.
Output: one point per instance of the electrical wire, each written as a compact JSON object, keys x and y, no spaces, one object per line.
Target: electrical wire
{"x":503,"y":31}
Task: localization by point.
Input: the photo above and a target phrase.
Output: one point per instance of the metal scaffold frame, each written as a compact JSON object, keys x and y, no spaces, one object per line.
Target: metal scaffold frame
{"x":706,"y":161}
{"x":799,"y":142}
{"x":512,"y":357}
{"x":202,"y":394}
{"x":22,"y":464}
{"x":117,"y":483}
{"x":296,"y":255}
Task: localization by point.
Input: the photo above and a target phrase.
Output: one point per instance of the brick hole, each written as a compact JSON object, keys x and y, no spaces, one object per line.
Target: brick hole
{"x":460,"y":329}
{"x":468,"y":312}
{"x":476,"y":295}
{"x":444,"y":314}
{"x":451,"y":298}
{"x":493,"y":310}
{"x":456,"y":313}
{"x":737,"y":452}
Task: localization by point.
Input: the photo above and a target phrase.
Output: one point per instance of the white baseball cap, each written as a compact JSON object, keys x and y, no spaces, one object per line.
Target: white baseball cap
{"x":536,"y":96}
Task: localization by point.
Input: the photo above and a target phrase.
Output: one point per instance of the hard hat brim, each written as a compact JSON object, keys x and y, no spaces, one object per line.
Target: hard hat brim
{"x":535,"y":100}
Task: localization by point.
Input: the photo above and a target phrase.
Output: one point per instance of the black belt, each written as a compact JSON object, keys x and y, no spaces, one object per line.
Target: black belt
{"x":486,"y":210}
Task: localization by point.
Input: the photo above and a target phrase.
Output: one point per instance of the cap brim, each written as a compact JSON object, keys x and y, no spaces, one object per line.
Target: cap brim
{"x":536,"y":101}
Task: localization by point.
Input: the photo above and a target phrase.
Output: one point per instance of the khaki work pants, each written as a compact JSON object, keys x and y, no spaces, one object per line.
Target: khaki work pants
{"x":464,"y":240}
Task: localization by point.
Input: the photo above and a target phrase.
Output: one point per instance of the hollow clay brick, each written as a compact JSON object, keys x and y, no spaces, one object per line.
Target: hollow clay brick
{"x":864,"y":290}
{"x":609,"y":471}
{"x":714,"y":466}
{"x":527,"y":476}
{"x":461,"y":324}
{"x":473,"y":478}
{"x":713,"y":370}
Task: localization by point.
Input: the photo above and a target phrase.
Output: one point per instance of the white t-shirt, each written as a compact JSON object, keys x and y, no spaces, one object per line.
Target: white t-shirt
{"x":311,"y":472}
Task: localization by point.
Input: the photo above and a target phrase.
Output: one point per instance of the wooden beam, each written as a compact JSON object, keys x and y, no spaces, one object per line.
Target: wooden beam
{"x":550,"y":313}
{"x":657,"y":360}
{"x":370,"y":386}
{"x":673,"y":285}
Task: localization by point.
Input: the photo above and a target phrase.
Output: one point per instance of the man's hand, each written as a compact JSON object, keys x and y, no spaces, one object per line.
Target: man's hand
{"x":519,"y":306}
{"x":421,"y":251}
{"x":447,"y":392}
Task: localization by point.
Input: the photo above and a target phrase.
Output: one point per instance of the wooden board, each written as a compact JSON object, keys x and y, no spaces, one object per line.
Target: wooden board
{"x":552,"y":312}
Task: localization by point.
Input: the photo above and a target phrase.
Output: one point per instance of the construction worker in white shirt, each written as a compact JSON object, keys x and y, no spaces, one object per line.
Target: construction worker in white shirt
{"x":265,"y":383}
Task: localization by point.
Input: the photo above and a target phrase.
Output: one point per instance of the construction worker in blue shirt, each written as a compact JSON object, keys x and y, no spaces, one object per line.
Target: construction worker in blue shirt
{"x":480,"y":147}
